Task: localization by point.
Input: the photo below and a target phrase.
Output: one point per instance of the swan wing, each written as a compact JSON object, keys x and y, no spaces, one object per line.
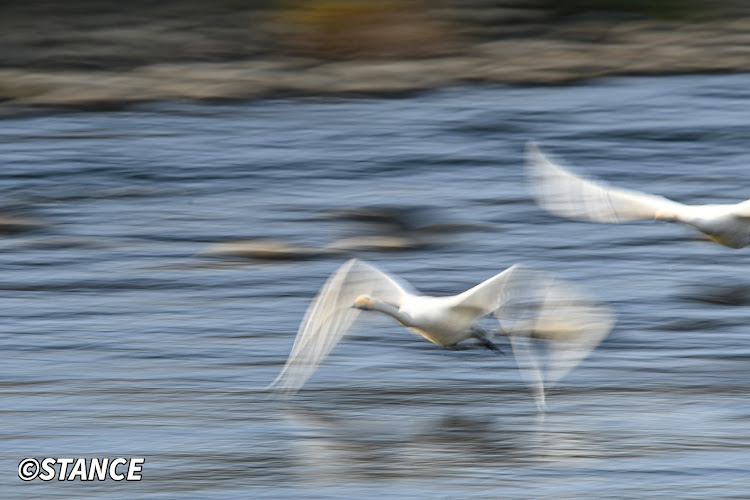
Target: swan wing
{"x":528,"y":361}
{"x":329,"y":317}
{"x":552,"y":325}
{"x":565,"y":194}
{"x":741,"y":209}
{"x":488,"y":296}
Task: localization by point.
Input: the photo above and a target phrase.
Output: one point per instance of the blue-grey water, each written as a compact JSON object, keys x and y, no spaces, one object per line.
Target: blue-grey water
{"x":119,"y":339}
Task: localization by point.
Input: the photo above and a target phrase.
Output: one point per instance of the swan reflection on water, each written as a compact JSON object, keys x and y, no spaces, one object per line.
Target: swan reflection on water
{"x":332,"y":445}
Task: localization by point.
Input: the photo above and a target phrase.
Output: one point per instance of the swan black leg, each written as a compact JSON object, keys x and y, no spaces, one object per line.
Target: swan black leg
{"x":484,"y":338}
{"x":491,"y":346}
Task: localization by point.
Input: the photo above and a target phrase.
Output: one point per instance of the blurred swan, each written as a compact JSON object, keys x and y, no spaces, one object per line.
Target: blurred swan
{"x":394,"y":228}
{"x":262,"y":248}
{"x":378,"y":229}
{"x":567,"y":195}
{"x":13,"y":222}
{"x":532,"y":307}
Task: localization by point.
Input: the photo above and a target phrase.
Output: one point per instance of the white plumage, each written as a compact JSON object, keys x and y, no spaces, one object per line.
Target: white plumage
{"x":563,"y":193}
{"x":532,"y":307}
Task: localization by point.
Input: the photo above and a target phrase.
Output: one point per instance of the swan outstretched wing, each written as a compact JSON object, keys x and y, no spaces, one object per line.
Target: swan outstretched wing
{"x":552,"y":325}
{"x":329,"y":317}
{"x":488,"y":296}
{"x":567,"y":195}
{"x":572,"y":322}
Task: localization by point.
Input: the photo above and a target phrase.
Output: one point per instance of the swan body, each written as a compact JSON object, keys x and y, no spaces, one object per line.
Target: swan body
{"x":530,"y":306}
{"x":565,"y":194}
{"x":440,"y":320}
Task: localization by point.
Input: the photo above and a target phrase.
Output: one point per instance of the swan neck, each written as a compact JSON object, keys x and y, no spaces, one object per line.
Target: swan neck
{"x":390,"y":310}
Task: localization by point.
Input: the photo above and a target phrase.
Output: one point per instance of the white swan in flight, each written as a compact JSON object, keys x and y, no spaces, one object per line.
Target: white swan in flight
{"x":567,"y":195}
{"x":552,"y":325}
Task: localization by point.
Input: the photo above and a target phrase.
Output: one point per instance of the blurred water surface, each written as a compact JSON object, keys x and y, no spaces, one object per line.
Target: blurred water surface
{"x":117,"y":340}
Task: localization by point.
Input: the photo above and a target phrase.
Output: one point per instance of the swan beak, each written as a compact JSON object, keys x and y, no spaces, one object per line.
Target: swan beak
{"x":363,"y":303}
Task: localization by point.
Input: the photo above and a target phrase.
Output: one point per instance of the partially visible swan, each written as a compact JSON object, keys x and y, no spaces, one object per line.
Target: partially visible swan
{"x":567,"y":195}
{"x":377,"y":229}
{"x":532,"y":307}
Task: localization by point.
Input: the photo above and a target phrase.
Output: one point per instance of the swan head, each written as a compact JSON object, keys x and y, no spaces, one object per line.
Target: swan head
{"x":666,"y":216}
{"x":363,"y":302}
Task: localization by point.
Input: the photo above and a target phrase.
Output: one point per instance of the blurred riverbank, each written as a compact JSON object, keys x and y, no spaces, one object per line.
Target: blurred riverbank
{"x":86,"y":54}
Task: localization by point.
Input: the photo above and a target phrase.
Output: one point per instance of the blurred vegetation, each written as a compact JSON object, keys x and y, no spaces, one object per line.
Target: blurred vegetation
{"x":82,"y":51}
{"x":344,"y":29}
{"x":108,"y":33}
{"x":658,"y":9}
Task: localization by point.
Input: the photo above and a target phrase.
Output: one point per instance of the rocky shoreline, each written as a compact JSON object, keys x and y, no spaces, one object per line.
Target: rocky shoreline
{"x":74,"y":71}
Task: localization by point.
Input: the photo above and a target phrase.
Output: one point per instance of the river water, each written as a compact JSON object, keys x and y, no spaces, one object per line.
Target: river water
{"x":120,"y":338}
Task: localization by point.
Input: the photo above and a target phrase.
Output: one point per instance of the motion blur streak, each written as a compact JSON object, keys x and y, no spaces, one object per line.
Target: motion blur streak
{"x":551,"y":324}
{"x":118,"y":340}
